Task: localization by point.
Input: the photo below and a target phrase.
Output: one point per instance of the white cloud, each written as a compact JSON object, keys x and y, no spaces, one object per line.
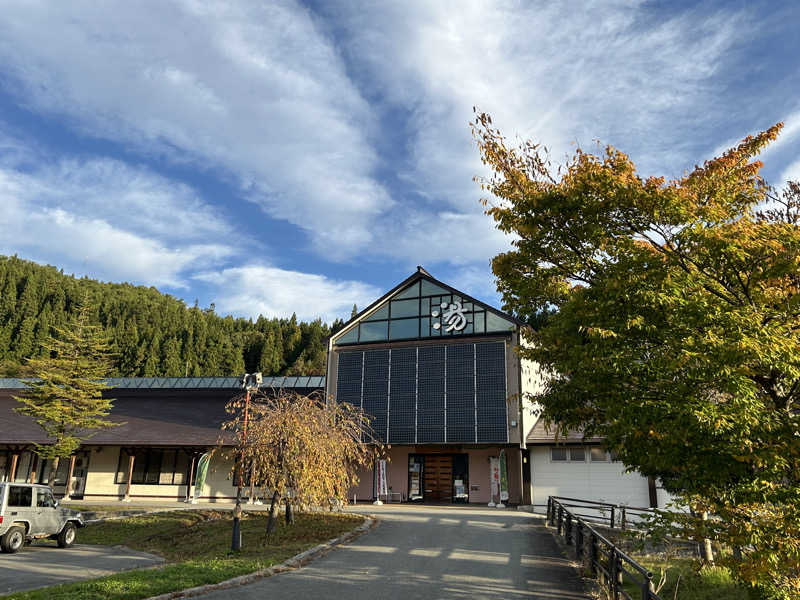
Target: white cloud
{"x":427,"y":237}
{"x":259,"y":289}
{"x":477,"y":281}
{"x":103,"y":218}
{"x":791,"y":173}
{"x":554,"y":72}
{"x":261,"y":94}
{"x":250,"y":89}
{"x":788,"y":136}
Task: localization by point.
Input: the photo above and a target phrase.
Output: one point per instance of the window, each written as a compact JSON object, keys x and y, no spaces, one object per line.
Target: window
{"x":599,"y":455}
{"x":20,"y":496}
{"x":577,"y":455}
{"x":154,"y":467}
{"x":403,"y":329}
{"x":374,"y":332}
{"x":567,"y":454}
{"x":350,"y":337}
{"x":405,"y":308}
{"x":44,"y":499}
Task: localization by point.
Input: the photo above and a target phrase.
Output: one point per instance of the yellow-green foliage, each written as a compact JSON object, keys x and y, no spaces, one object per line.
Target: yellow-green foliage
{"x":675,"y":332}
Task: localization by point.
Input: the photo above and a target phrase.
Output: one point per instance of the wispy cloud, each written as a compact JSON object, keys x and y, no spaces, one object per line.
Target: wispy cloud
{"x":273,"y":292}
{"x":348,"y":121}
{"x":251,"y":89}
{"x":549,"y":72}
{"x":103,"y":218}
{"x":116,"y":222}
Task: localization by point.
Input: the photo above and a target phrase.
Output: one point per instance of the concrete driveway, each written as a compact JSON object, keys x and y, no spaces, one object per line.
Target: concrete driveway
{"x":42,"y":564}
{"x":432,"y":552}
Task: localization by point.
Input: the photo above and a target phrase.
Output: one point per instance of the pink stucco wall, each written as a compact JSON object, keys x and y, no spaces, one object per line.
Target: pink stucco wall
{"x":397,"y":473}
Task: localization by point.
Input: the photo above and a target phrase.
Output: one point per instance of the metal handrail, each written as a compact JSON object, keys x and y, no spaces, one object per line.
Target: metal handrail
{"x":617,"y":513}
{"x":608,"y":563}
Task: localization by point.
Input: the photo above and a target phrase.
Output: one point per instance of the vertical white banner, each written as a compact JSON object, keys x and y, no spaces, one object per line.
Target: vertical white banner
{"x":383,"y":484}
{"x":494,"y":479}
{"x":503,"y":479}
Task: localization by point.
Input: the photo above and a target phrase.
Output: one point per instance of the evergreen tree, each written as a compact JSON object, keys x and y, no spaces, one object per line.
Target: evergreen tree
{"x":171,"y":358}
{"x":354,"y":312}
{"x":66,"y":398}
{"x":36,"y":298}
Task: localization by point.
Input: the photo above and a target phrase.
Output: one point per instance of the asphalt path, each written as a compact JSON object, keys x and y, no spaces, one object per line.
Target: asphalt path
{"x":42,"y":564}
{"x":432,"y":552}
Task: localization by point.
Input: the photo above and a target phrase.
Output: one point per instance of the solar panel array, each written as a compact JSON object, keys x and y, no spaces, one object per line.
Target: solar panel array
{"x":429,"y":394}
{"x":375,"y":391}
{"x":490,"y":380}
{"x":402,"y":396}
{"x":431,"y":409}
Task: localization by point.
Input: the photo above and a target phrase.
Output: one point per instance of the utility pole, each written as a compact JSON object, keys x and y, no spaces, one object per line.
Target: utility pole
{"x":250,"y":382}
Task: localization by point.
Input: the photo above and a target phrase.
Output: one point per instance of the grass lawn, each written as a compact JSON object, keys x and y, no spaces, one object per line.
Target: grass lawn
{"x":709,"y":583}
{"x":196,"y":545}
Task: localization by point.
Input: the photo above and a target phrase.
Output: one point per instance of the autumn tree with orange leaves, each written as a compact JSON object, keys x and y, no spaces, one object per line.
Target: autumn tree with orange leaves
{"x":676,"y":327}
{"x":300,"y":450}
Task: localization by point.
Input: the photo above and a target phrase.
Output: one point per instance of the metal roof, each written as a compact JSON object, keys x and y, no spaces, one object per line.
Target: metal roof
{"x":186,"y":383}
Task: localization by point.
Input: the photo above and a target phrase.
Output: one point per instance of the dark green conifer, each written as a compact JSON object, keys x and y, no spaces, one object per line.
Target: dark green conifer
{"x":66,"y":398}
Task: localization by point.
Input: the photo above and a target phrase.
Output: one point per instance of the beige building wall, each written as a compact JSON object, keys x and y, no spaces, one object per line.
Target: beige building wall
{"x":103,"y":463}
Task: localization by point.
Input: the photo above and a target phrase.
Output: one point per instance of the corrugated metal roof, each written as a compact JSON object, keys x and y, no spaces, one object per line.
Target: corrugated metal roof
{"x":191,"y":382}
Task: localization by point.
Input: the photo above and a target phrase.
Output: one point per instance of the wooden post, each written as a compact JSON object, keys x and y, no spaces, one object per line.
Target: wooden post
{"x":34,"y":467}
{"x":67,"y":491}
{"x":14,"y":462}
{"x":191,"y":478}
{"x":651,"y":490}
{"x":127,"y":497}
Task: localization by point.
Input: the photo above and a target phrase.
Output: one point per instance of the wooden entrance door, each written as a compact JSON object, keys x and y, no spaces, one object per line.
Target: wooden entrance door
{"x":438,"y":478}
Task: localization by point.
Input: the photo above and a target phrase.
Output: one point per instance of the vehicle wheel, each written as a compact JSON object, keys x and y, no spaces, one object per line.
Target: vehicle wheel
{"x":13,"y":540}
{"x":67,"y":536}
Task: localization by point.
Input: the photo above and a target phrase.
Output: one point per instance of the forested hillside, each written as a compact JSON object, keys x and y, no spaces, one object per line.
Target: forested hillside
{"x":152,"y":334}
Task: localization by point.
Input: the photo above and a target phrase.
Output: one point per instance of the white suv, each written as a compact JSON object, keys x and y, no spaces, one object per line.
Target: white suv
{"x":29,"y":511}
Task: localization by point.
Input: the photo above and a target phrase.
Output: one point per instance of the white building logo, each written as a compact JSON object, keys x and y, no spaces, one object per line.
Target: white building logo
{"x":453,"y":316}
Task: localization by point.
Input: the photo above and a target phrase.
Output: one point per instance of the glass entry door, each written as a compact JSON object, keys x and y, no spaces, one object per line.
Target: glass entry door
{"x":416,"y":465}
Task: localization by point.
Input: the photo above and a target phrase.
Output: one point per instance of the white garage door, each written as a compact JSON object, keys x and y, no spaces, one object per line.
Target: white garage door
{"x":579,"y":472}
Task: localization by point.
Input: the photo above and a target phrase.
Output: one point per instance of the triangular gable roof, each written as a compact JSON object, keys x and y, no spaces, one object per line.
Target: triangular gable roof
{"x":419,"y":274}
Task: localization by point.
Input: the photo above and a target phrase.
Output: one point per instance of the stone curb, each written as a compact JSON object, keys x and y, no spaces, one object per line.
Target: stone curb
{"x":295,"y":562}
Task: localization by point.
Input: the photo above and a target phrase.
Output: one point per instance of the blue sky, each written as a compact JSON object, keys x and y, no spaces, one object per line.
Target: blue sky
{"x":302,"y":157}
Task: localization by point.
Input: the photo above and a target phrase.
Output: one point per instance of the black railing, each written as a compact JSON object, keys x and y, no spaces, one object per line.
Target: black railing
{"x":615,"y":516}
{"x":610,"y":565}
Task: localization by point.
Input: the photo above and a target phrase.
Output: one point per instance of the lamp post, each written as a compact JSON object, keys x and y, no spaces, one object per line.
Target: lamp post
{"x":250,"y":382}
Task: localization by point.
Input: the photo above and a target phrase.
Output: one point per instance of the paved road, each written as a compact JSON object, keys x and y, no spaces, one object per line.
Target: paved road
{"x":432,"y":552}
{"x":42,"y":564}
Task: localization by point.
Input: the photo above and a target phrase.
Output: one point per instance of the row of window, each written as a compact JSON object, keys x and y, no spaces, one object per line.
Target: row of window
{"x":154,"y":467}
{"x":27,"y":462}
{"x":579,"y":454}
